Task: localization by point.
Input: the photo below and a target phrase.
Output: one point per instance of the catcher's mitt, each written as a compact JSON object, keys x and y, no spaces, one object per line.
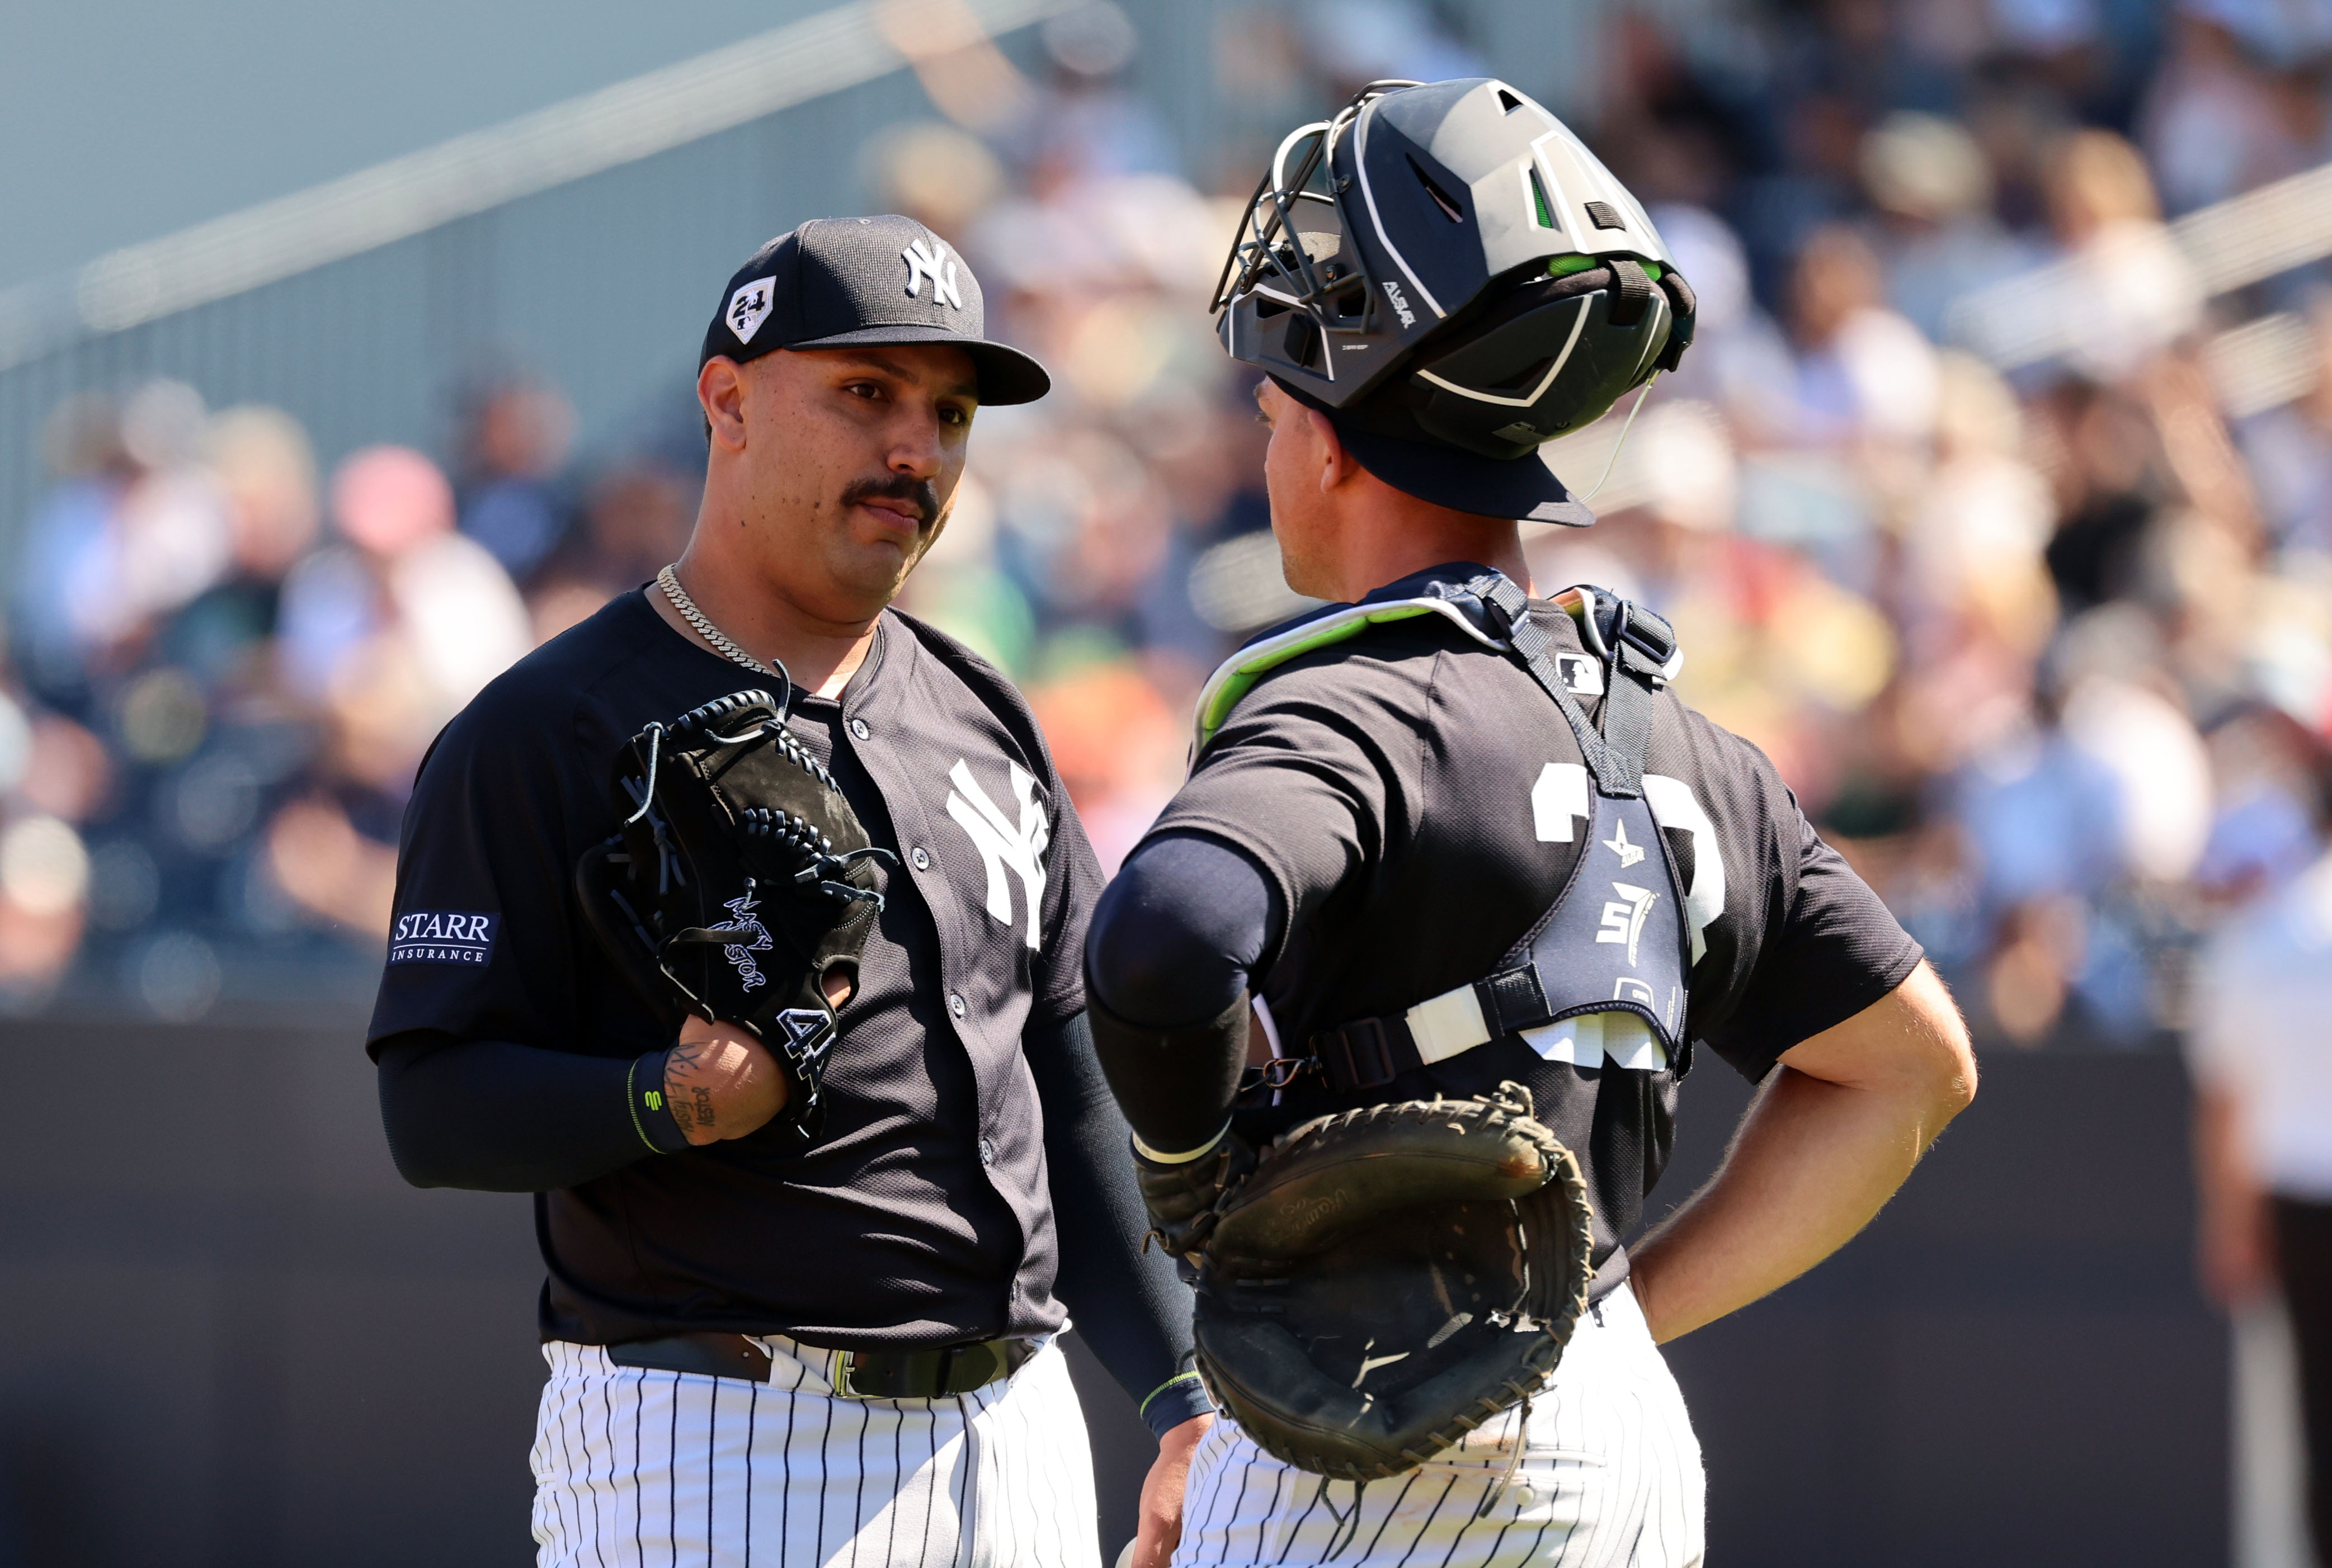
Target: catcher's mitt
{"x":1391,"y":1278}
{"x":739,"y":882}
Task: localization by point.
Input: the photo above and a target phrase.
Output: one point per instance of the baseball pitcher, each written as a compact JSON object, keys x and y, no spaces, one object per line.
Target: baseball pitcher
{"x":743,"y":924}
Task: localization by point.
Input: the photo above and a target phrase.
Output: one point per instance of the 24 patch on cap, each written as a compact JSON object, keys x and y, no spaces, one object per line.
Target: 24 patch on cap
{"x":748,"y":307}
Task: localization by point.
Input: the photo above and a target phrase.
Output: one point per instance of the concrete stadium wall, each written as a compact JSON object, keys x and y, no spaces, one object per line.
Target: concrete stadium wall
{"x":229,"y":1336}
{"x":2013,"y":1367}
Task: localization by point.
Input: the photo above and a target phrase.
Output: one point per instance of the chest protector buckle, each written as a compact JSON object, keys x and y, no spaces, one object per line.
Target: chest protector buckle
{"x":1604,"y":971}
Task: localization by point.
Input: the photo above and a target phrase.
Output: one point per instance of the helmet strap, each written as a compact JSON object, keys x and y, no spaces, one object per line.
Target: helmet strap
{"x":1613,"y":461}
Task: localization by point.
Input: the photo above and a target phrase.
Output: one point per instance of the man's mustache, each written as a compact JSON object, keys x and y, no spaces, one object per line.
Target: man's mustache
{"x":920,"y":493}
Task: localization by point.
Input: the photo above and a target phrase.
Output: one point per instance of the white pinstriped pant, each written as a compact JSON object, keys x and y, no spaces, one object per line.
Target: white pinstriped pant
{"x":1611,"y":1477}
{"x":639,"y":1468}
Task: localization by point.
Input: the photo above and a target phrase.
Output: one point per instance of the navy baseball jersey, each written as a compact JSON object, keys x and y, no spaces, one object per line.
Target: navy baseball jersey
{"x":1420,"y":804}
{"x":922,"y":1213}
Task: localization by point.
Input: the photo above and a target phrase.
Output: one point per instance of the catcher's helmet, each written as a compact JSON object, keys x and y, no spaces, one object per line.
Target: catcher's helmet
{"x":1449,"y":274}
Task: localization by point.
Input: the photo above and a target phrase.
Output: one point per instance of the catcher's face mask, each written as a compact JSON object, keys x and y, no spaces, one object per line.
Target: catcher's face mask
{"x":1449,"y":273}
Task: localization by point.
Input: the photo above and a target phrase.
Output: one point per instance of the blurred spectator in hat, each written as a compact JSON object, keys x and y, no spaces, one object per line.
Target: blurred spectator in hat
{"x":392,"y":632}
{"x":511,"y":502}
{"x":2288,"y":447}
{"x":2210,"y":125}
{"x":1977,"y":533}
{"x":2103,"y":795}
{"x":174,"y":538}
{"x":1864,"y":372}
{"x":935,"y":172}
{"x":1086,"y":123}
{"x":2263,"y":824}
{"x":2104,"y":465}
{"x":266,"y":474}
{"x":635,"y":520}
{"x":1739,"y":357}
{"x":2044,"y":825}
{"x":403,"y":587}
{"x":55,"y":610}
{"x":2123,"y":706}
{"x":1937,"y":237}
{"x":136,"y":528}
{"x":2134,"y":292}
{"x":2262,"y":1066}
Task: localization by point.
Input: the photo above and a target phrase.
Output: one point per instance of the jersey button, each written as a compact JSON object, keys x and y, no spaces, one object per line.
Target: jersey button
{"x":858,"y":728}
{"x":955,"y":1003}
{"x":987,"y":1152}
{"x":922,"y":858}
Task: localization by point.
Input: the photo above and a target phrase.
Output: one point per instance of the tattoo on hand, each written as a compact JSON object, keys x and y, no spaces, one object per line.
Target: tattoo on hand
{"x":678,"y":1096}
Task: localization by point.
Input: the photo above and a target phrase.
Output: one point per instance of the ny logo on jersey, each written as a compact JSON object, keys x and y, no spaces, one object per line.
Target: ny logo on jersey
{"x":748,"y":307}
{"x":1002,"y":845}
{"x":1623,"y":918}
{"x":928,"y":259}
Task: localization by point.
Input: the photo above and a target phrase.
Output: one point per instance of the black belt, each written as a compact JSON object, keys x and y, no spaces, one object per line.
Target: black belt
{"x":950,"y":1369}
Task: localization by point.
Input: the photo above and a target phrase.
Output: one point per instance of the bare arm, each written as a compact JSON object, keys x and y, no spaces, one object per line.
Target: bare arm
{"x":1828,"y":1139}
{"x":2234,"y":1245}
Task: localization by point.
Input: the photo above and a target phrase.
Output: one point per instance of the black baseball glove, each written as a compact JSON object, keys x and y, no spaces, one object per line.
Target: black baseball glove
{"x":741,"y":883}
{"x":1391,"y":1278}
{"x":1182,"y":1198}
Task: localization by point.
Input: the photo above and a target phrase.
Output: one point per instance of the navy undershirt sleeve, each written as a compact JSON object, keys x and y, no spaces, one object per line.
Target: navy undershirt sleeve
{"x":493,"y":1116}
{"x":1169,"y":958}
{"x":1177,"y":936}
{"x":1127,"y":1303}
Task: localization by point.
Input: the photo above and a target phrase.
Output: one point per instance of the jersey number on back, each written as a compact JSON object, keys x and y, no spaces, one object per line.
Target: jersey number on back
{"x":1559,"y":798}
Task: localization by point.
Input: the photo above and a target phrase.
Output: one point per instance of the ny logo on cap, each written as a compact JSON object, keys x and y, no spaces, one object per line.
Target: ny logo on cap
{"x":926,"y":259}
{"x":748,"y":307}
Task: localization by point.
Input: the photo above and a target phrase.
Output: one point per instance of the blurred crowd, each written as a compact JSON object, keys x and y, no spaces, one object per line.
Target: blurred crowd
{"x":224,"y":668}
{"x":2041,"y":637}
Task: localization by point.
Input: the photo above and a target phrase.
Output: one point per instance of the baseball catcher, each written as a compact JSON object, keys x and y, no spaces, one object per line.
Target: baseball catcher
{"x":1399,"y":991}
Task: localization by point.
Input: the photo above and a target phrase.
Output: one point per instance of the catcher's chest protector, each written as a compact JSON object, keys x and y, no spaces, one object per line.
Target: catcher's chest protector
{"x":1390,"y":1277}
{"x":1601,"y":974}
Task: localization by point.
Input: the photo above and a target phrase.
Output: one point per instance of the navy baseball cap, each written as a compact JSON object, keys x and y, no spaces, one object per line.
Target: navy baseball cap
{"x":835,"y":282}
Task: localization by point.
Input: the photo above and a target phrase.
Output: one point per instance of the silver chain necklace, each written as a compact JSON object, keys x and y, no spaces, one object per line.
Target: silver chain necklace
{"x":669,"y":581}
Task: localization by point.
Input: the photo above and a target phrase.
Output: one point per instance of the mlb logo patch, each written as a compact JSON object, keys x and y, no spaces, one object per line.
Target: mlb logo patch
{"x":1582,"y":675}
{"x":442,"y":936}
{"x":750,"y":306}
